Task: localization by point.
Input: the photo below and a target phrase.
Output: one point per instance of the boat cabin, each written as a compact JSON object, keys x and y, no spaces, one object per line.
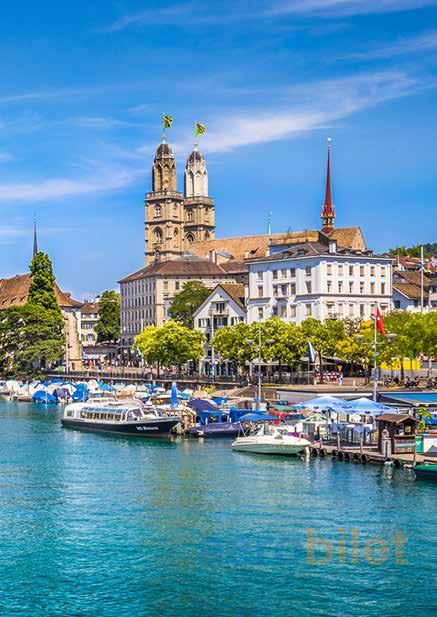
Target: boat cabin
{"x":90,"y":413}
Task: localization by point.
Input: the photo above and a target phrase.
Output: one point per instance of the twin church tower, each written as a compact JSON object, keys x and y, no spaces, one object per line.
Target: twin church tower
{"x":175,"y":220}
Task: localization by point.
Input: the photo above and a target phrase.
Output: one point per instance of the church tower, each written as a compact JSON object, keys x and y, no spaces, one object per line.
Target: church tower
{"x":328,"y":212}
{"x":164,"y":233}
{"x":199,"y":208}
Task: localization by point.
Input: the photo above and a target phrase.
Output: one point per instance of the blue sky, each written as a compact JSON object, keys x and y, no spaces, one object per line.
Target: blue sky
{"x":84,"y":86}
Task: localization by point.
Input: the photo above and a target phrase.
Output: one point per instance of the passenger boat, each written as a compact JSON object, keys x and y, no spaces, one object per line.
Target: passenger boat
{"x":426,"y":470}
{"x":119,"y":418}
{"x":265,"y":438}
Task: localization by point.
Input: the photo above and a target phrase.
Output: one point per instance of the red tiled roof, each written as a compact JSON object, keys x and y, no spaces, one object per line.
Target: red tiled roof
{"x":15,"y":291}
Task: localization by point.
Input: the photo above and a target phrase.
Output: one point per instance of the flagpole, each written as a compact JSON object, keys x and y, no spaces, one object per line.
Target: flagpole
{"x":421,"y":279}
{"x":375,"y":359}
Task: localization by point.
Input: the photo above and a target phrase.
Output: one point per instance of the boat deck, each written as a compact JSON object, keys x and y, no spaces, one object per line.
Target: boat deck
{"x":367,"y":455}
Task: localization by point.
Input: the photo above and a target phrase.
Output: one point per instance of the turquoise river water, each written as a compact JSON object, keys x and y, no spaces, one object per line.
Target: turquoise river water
{"x":107,"y":526}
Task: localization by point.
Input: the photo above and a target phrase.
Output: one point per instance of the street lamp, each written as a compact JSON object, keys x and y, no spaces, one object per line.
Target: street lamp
{"x":260,"y":348}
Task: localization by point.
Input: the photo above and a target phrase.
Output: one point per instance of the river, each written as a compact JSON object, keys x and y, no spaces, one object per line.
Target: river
{"x":108,"y":526}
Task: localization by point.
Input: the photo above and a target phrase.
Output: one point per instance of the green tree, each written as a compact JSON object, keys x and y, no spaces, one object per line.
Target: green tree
{"x":186,"y":303}
{"x":32,"y":336}
{"x":108,"y":325}
{"x":231,"y":342}
{"x":172,"y":344}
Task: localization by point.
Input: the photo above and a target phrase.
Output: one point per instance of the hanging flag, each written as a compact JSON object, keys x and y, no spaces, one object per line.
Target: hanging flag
{"x":167,"y":121}
{"x":311,"y":353}
{"x":379,"y":322}
{"x":200,"y":129}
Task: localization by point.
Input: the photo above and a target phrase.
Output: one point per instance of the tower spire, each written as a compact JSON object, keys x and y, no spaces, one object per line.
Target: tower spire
{"x":328,"y":212}
{"x":35,"y":239}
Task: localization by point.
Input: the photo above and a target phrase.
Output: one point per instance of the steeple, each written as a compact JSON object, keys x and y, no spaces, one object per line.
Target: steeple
{"x":35,"y":239}
{"x":196,"y":175}
{"x":164,"y":168}
{"x":328,"y":212}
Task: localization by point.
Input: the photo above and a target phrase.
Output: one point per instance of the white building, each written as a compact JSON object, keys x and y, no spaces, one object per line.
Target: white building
{"x":225,"y":306}
{"x":320,"y":280}
{"x":408,"y":294}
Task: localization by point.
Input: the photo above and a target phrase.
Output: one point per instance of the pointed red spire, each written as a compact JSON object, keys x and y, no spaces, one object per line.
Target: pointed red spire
{"x":328,"y":213}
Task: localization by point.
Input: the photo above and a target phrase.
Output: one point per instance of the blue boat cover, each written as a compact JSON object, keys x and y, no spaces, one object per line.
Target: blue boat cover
{"x":43,"y":397}
{"x":257,"y":417}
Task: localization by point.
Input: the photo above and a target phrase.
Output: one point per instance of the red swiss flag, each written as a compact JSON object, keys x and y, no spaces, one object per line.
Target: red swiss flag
{"x":379,"y":322}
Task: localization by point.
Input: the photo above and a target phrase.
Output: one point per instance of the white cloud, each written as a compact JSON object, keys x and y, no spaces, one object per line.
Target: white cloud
{"x":160,"y":15}
{"x":98,"y":122}
{"x":344,"y":8}
{"x":305,"y":108}
{"x":426,"y":41}
{"x":59,"y":188}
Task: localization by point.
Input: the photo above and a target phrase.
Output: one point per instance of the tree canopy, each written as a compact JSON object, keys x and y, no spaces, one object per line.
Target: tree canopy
{"x":171,"y":344}
{"x":108,"y":325}
{"x":186,"y":303}
{"x":429,"y":250}
{"x":32,"y":336}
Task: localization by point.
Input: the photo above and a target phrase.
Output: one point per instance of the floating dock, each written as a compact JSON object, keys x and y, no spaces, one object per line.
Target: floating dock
{"x":366,"y":455}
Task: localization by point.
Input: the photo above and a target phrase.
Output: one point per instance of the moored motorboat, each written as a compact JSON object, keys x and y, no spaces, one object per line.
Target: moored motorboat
{"x":266,"y":438}
{"x":119,"y":418}
{"x":216,"y":429}
{"x":426,"y":470}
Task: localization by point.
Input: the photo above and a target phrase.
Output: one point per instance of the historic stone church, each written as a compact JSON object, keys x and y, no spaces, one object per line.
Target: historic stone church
{"x":178,"y":225}
{"x":174,"y":221}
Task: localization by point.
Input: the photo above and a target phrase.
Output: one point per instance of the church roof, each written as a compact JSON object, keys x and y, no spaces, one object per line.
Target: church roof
{"x":250,"y":247}
{"x":15,"y":291}
{"x":178,"y":267}
{"x":195,"y":157}
{"x":164,"y":151}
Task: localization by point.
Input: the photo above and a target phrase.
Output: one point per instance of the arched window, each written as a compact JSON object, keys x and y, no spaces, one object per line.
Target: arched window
{"x":189,"y":238}
{"x":157,"y":210}
{"x":207,"y":235}
{"x":189,"y":216}
{"x":158,"y":236}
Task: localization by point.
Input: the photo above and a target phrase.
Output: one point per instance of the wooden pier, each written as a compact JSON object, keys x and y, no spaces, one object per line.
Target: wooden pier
{"x":367,"y":455}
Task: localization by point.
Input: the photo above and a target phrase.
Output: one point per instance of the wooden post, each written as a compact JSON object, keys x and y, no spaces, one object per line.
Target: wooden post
{"x":338,"y":440}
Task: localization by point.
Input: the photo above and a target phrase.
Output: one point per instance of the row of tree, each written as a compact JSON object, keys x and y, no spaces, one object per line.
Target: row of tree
{"x":349,"y":341}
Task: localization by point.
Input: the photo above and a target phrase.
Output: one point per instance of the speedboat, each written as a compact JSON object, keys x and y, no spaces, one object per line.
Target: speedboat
{"x":266,"y":438}
{"x":119,"y":418}
{"x":426,"y":470}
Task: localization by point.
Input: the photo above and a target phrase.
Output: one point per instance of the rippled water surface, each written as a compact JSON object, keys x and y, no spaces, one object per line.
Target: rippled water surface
{"x":98,"y":525}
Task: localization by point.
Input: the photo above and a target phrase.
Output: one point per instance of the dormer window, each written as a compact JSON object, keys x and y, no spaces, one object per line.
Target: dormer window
{"x":301,"y":252}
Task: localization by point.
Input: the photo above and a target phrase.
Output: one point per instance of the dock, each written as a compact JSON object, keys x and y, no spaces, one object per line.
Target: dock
{"x":364,"y":455}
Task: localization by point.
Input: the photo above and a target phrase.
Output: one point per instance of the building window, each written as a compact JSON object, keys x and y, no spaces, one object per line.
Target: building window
{"x":293,"y":289}
{"x":382,"y":270}
{"x":362,"y":310}
{"x":351,"y":270}
{"x":177,"y":285}
{"x":259,"y":276}
{"x":361,"y":288}
{"x":372,"y":270}
{"x":340,"y":270}
{"x":329,"y":269}
{"x":308,"y":309}
{"x":275,"y":290}
{"x":308,"y":271}
{"x":361,"y":270}
{"x":308,"y":287}
{"x":293,"y":310}
{"x":260,"y":312}
{"x":329,"y":286}
{"x":383,"y":288}
{"x":351,"y":287}
{"x":292,"y":272}
{"x":190,"y":216}
{"x":158,"y":235}
{"x":372,"y":287}
{"x":157,"y":210}
{"x":284,"y":274}
{"x":165,"y":285}
{"x":351,"y":310}
{"x":260,"y":292}
{"x":283,"y":290}
{"x":274,"y":274}
{"x":340,"y":287}
{"x":397,"y":304}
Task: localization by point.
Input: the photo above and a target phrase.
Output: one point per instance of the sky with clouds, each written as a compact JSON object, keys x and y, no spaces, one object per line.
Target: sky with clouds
{"x":84,"y":86}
